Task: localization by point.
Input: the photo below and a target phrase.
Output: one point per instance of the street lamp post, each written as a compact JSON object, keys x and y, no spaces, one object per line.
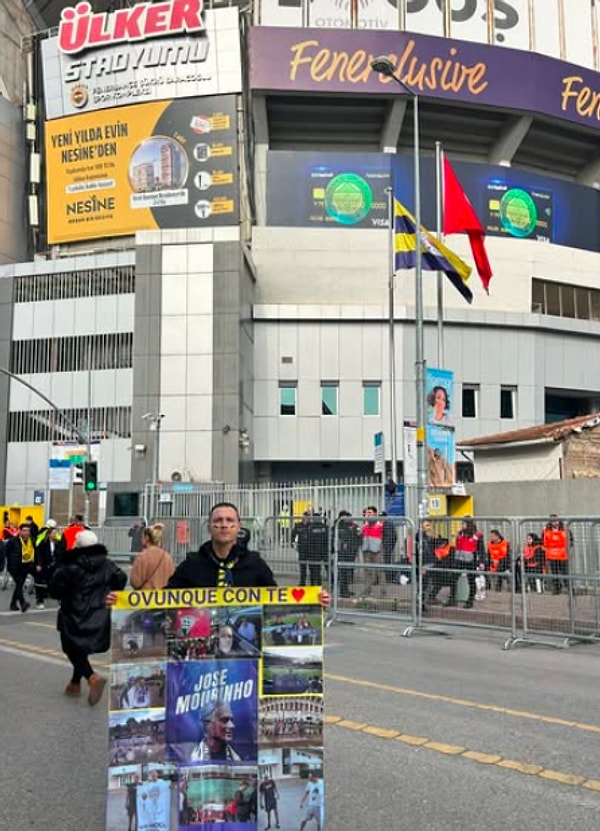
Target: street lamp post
{"x":384,"y":66}
{"x":154,"y":420}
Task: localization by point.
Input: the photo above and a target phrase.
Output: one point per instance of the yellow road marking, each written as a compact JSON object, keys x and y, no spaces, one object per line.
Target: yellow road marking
{"x":493,"y":759}
{"x":42,"y":650}
{"x":44,"y":625}
{"x":449,"y":749}
{"x":461,"y":702}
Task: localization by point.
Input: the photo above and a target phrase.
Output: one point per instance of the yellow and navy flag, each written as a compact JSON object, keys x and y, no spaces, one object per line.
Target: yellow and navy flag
{"x":434,"y":254}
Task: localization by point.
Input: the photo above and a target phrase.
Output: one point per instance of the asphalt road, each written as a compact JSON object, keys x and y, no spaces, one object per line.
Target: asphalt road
{"x":430,"y":733}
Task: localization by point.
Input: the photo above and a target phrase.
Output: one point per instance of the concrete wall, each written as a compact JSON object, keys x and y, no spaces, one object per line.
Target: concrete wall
{"x":566,"y":497}
{"x":193,"y":354}
{"x":13,"y":241}
{"x":540,"y":462}
{"x":348,"y":344}
{"x":15,"y":23}
{"x":306,"y":265}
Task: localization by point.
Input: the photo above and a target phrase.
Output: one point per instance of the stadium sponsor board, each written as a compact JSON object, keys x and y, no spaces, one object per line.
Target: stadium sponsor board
{"x":327,"y":61}
{"x":115,"y":61}
{"x":167,"y":164}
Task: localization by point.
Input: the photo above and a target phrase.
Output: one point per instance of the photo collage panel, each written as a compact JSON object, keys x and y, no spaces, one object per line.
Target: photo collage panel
{"x":216,"y":713}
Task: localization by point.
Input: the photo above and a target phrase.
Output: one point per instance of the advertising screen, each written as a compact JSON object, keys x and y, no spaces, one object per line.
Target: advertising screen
{"x":328,"y":189}
{"x":168,"y":164}
{"x":524,"y":212}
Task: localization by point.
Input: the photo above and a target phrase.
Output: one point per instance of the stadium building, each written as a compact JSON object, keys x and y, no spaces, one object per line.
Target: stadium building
{"x":195,"y":242}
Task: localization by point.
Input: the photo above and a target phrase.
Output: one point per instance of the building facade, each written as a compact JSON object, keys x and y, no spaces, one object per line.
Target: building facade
{"x":232,"y":290}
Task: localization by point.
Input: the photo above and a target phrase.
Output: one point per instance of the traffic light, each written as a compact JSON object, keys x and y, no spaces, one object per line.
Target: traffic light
{"x":90,"y":476}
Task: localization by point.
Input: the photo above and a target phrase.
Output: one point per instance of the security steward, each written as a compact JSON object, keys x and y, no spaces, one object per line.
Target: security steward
{"x":498,"y":550}
{"x":555,"y":542}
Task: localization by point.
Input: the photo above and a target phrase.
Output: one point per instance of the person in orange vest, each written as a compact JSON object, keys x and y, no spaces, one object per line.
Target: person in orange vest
{"x":498,"y":550}
{"x":556,"y":543}
{"x":533,"y":563}
{"x":73,"y":528}
{"x":468,"y":553}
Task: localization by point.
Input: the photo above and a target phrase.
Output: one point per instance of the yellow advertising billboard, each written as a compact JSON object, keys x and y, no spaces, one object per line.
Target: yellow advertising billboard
{"x":168,"y":164}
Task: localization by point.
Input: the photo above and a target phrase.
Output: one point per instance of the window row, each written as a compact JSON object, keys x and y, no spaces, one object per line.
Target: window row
{"x":563,"y":300}
{"x":48,"y":425}
{"x":288,"y":400}
{"x":72,"y":354}
{"x":92,"y":282}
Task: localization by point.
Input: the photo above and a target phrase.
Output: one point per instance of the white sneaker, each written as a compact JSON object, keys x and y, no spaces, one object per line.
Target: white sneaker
{"x":39,"y":606}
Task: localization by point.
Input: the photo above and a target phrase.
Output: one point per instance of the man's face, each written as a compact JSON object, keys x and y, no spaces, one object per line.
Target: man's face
{"x":24,"y":532}
{"x":224,"y":525}
{"x":221,"y":725}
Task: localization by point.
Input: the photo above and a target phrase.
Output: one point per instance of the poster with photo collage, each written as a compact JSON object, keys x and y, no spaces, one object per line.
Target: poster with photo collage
{"x":216,"y":710}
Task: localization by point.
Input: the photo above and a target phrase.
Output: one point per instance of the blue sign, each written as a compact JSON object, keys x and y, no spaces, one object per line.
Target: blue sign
{"x":395,"y":505}
{"x":38,"y":497}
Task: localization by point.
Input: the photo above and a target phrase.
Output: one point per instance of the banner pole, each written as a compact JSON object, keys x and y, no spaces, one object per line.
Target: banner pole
{"x":392,"y":334}
{"x":439,"y":206}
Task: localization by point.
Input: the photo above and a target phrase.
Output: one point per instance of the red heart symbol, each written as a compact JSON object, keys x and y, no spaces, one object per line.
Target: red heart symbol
{"x":298,"y":594}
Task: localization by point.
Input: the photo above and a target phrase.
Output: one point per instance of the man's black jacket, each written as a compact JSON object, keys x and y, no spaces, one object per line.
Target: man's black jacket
{"x":200,"y":569}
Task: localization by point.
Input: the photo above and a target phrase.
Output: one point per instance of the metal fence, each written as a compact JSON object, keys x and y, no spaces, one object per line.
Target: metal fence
{"x":531,"y":602}
{"x":264,"y":499}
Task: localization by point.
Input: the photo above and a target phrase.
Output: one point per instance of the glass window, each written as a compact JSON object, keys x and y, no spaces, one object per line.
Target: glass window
{"x":507,"y":402}
{"x":469,"y":401}
{"x":567,"y":297}
{"x":582,"y":304}
{"x":537,"y":297}
{"x":552,"y":299}
{"x":287,"y":400}
{"x":371,"y":399}
{"x":329,"y":399}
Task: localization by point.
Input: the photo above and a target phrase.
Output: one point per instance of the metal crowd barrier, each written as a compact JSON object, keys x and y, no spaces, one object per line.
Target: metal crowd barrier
{"x":372,"y":576}
{"x":561,"y":602}
{"x":463,"y":590}
{"x":549,"y":605}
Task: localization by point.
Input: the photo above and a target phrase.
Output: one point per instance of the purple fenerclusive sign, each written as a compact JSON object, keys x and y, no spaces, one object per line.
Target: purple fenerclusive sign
{"x":324,"y":60}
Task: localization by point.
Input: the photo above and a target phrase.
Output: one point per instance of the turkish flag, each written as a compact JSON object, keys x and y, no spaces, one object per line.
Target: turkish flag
{"x":460,"y":218}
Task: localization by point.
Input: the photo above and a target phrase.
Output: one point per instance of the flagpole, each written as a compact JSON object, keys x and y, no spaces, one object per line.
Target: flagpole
{"x":419,"y":329}
{"x":392,"y":336}
{"x":439,"y":206}
{"x":384,"y":66}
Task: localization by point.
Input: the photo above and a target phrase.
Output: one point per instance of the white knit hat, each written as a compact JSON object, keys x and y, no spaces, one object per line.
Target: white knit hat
{"x":51,"y":524}
{"x":85,"y":538}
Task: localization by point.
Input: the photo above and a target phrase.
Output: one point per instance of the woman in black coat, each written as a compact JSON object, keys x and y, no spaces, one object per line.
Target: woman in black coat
{"x":81,"y":586}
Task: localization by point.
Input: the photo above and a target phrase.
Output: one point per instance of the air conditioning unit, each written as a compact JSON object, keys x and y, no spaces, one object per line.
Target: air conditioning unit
{"x":176,"y":476}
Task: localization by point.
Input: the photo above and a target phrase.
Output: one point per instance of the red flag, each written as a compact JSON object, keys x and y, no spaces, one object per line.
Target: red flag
{"x":460,"y":218}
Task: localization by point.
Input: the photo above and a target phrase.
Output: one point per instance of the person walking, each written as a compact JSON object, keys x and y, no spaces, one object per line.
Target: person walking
{"x":49,"y":547}
{"x":81,"y":586}
{"x":20,"y":556}
{"x":73,"y":528}
{"x":154,"y":566}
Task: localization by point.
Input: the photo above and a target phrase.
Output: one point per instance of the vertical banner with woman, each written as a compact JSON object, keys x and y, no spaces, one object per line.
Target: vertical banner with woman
{"x":440,"y":427}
